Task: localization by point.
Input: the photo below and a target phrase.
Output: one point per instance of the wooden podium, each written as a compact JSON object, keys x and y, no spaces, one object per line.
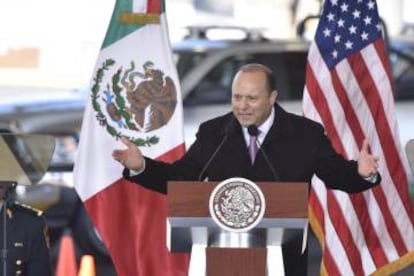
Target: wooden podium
{"x":285,"y":217}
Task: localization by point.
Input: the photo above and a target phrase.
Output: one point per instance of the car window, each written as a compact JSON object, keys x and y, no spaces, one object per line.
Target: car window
{"x":215,"y":86}
{"x":186,"y":61}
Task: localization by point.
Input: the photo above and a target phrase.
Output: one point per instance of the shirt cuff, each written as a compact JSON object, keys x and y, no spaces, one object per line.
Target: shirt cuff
{"x":134,"y":172}
{"x":372,"y":178}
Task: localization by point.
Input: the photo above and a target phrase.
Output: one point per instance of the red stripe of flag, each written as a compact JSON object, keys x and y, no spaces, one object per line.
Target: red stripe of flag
{"x":173,"y":154}
{"x":329,"y":262}
{"x":371,"y":94}
{"x":395,"y":168}
{"x":317,"y":210}
{"x":383,"y":56}
{"x":388,"y":143}
{"x":154,"y":6}
{"x":335,"y":212}
{"x":358,"y":200}
{"x":344,"y":234}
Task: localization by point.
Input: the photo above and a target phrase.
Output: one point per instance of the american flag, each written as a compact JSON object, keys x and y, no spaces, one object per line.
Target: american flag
{"x":349,"y":90}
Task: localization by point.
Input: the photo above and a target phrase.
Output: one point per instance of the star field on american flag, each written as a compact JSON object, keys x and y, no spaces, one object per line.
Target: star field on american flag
{"x":345,"y":28}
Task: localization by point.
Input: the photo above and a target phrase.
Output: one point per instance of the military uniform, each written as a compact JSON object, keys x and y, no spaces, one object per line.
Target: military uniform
{"x":27,"y":242}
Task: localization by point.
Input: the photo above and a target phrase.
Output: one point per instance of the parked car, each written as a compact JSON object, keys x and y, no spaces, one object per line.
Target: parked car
{"x":206,"y":68}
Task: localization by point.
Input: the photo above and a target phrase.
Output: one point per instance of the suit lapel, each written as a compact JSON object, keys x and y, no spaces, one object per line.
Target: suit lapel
{"x":280,"y":127}
{"x":237,"y":144}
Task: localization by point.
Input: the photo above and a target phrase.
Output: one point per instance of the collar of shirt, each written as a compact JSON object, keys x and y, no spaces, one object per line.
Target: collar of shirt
{"x":263,"y":128}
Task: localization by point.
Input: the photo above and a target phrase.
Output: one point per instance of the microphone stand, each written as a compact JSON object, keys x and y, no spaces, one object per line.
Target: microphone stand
{"x":7,"y":186}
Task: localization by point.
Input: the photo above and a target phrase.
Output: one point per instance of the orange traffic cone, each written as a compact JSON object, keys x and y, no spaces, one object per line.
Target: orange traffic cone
{"x":66,"y":265}
{"x":87,"y":266}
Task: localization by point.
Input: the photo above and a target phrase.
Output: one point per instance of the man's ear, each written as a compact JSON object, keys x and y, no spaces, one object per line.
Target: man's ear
{"x":273,"y":96}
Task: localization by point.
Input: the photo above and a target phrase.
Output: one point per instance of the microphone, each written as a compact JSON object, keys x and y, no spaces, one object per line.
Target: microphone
{"x":213,"y":155}
{"x":254,"y":131}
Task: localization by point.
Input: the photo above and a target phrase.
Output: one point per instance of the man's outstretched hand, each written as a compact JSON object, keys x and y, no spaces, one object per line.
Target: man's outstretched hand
{"x":367,"y":163}
{"x":131,"y":157}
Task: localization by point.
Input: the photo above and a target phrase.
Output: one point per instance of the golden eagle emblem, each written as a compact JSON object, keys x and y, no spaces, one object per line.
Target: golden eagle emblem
{"x":133,"y":101}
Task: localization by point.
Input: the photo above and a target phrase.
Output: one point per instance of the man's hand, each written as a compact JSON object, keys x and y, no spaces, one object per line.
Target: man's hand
{"x":367,"y":163}
{"x":131,"y":157}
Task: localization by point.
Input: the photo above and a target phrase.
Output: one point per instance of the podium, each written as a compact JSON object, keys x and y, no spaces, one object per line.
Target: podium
{"x":226,"y":253}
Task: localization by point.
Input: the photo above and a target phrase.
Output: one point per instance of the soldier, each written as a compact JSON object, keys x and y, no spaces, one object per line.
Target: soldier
{"x":27,"y":251}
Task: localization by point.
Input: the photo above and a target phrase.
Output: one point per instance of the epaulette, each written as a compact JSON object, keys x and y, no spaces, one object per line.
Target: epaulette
{"x":29,"y":208}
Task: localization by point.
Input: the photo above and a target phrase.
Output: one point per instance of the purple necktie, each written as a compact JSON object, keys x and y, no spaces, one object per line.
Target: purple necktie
{"x":253,"y":147}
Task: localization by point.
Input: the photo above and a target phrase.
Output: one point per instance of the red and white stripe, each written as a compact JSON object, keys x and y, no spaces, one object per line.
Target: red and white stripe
{"x":371,"y":231}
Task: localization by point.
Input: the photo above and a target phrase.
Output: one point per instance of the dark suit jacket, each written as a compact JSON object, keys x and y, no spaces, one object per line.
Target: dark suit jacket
{"x":297,"y":148}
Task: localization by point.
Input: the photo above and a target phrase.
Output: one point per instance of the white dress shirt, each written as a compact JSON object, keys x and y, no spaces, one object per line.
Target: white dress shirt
{"x":263,"y":129}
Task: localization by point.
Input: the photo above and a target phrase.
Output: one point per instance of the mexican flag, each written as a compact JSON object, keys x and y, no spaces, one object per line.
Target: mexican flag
{"x":134,"y":93}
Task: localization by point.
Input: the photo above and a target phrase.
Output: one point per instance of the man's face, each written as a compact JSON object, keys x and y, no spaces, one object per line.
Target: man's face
{"x":251,"y":101}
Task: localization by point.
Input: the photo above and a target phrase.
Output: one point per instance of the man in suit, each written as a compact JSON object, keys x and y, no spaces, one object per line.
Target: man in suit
{"x":27,"y":240}
{"x":296,"y":147}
